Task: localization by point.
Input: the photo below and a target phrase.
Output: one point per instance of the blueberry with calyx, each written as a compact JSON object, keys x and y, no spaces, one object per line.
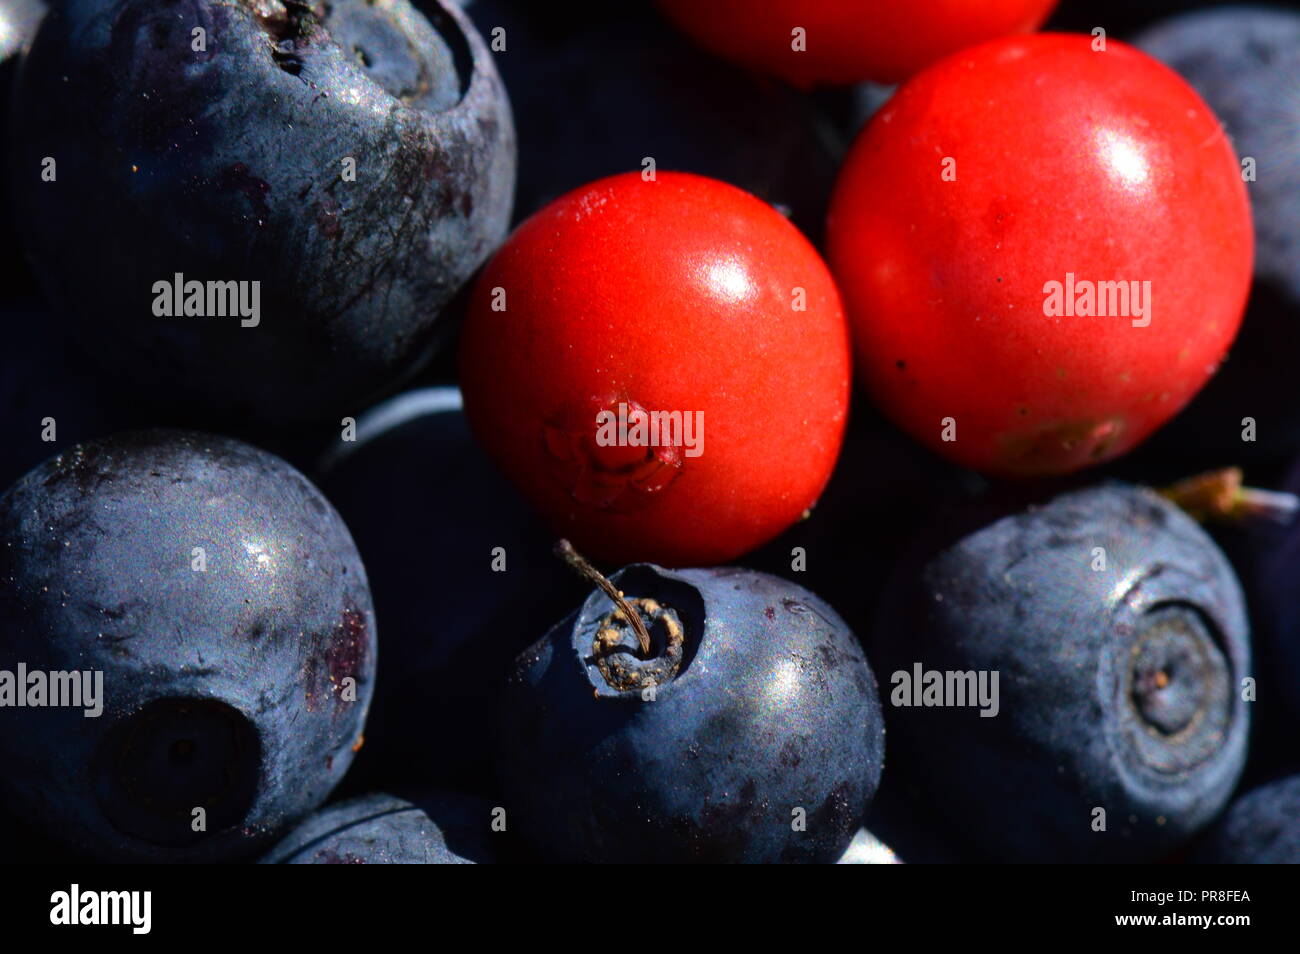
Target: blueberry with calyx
{"x":1118,"y":638}
{"x":715,"y":715}
{"x":354,"y":158}
{"x":209,"y":604}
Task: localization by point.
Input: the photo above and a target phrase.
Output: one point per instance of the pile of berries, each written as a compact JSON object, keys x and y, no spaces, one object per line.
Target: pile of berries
{"x":684,"y":405}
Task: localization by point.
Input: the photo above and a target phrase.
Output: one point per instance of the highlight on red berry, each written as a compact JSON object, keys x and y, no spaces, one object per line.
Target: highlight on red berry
{"x":661,"y":363}
{"x":838,"y":42}
{"x":1045,"y":250}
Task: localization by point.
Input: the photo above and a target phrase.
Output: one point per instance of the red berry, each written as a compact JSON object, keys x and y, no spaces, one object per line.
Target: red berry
{"x":677,"y":295}
{"x":1006,"y":168}
{"x":847,"y":41}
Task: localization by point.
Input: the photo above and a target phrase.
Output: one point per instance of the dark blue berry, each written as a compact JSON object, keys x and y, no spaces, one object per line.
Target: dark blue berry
{"x":221,"y":598}
{"x":1118,"y":636}
{"x":750,"y":732}
{"x":439,"y":829}
{"x":1260,"y":827}
{"x":224,"y":157}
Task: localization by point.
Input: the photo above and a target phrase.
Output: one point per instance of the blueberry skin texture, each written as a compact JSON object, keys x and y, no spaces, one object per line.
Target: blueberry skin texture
{"x":1120,"y":688}
{"x":227,"y":165}
{"x":1244,"y":62}
{"x":774,"y":708}
{"x":428,"y":511}
{"x":441,"y":829}
{"x":1261,"y":827}
{"x":224,"y":689}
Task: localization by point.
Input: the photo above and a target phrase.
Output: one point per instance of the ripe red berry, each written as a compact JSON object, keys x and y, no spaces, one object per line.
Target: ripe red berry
{"x":684,"y":296}
{"x":976,"y":221}
{"x":847,"y":41}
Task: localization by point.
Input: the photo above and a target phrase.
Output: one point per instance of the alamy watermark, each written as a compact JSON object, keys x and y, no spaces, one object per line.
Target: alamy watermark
{"x":179,"y":298}
{"x":36,"y":688}
{"x":97,"y":908}
{"x":946,"y":688}
{"x":1083,"y":298}
{"x":637,"y":427}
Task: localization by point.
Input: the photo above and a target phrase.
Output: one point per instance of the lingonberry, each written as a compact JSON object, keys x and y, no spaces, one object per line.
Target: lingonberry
{"x":678,"y":304}
{"x":1044,"y":249}
{"x":845,"y":41}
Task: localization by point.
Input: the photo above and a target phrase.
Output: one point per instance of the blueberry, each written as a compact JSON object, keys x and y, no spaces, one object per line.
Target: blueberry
{"x":598,"y":88}
{"x":750,"y":732}
{"x":222,"y":600}
{"x":440,"y":829}
{"x":1118,"y":636}
{"x":1261,"y":827}
{"x":227,"y":156}
{"x":456,"y":561}
{"x":1244,"y":63}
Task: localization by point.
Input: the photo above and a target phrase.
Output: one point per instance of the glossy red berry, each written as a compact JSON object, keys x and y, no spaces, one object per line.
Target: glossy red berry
{"x":976,"y":221}
{"x":678,"y":296}
{"x":848,"y":41}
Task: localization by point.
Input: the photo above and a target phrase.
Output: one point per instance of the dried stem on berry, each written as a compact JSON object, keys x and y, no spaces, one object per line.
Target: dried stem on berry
{"x":1219,"y":496}
{"x":565,"y":551}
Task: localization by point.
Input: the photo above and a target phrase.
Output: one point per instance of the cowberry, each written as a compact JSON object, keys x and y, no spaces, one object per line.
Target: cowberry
{"x":1044,"y":249}
{"x":676,"y":299}
{"x":844,"y":41}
